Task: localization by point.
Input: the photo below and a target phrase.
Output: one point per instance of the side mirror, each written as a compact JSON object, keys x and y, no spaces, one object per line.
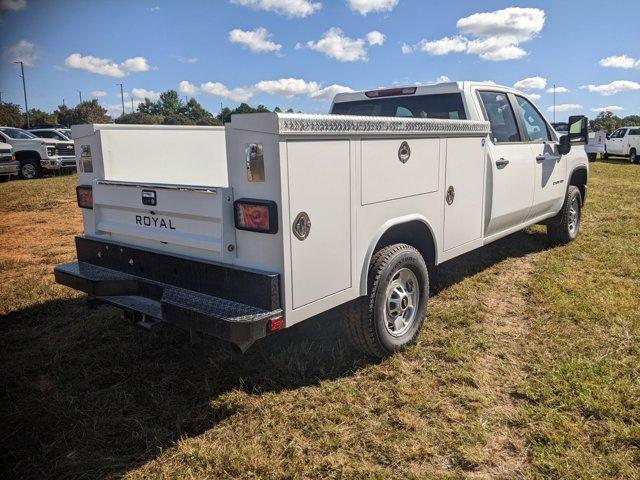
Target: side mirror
{"x":578,"y":130}
{"x":564,"y":146}
{"x":608,"y":136}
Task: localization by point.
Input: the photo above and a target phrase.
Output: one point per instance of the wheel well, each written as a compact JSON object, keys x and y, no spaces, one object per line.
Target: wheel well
{"x":414,"y":233}
{"x":579,"y":179}
{"x":24,"y":154}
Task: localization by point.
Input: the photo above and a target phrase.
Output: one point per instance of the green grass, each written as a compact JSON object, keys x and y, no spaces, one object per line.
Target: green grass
{"x":528,"y":367}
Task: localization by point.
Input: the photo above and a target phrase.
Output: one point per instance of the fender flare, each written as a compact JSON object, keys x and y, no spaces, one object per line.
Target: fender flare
{"x":364,"y":273}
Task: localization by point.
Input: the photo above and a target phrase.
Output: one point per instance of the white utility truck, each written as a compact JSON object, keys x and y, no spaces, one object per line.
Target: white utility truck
{"x":624,"y":142}
{"x":277,"y":217}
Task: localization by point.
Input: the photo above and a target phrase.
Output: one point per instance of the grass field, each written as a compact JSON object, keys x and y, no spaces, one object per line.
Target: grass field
{"x":528,"y":367}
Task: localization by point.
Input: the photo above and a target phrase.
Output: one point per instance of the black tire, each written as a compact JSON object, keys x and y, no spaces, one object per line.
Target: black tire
{"x":366,"y":318}
{"x":605,"y":155}
{"x":30,"y":168}
{"x":4,"y":178}
{"x":564,"y":227}
{"x":633,"y":156}
{"x":592,"y":157}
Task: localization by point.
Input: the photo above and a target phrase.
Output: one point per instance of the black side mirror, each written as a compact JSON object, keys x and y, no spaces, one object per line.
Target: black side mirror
{"x":608,"y":136}
{"x":564,"y":146}
{"x":578,"y":130}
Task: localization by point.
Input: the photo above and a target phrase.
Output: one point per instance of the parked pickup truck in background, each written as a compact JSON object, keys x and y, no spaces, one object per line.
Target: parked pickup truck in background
{"x":8,"y":163}
{"x":277,"y":217}
{"x":63,"y":134}
{"x":37,"y":155}
{"x":624,"y":142}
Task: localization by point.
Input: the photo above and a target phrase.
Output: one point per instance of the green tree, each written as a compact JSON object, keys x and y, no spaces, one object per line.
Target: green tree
{"x":10,"y":115}
{"x":197,"y":112}
{"x":89,"y":112}
{"x":606,"y":121}
{"x":38,"y":117}
{"x":630,"y":121}
{"x":64,"y":114}
{"x":177,"y":119}
{"x":139,"y":118}
{"x":225,"y":115}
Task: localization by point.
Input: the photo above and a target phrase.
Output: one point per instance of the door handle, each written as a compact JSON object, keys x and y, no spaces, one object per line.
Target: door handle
{"x":502,"y":162}
{"x":541,"y":158}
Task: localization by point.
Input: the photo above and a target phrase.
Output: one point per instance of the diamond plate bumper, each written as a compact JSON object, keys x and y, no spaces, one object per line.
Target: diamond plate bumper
{"x":228,"y":303}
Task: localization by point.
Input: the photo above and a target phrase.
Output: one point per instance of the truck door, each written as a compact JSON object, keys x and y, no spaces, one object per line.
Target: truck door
{"x":615,"y":143}
{"x":550,"y":166}
{"x":511,"y":167}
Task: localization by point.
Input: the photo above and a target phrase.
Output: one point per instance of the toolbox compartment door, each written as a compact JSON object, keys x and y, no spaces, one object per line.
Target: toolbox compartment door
{"x":319,"y":185}
{"x":185,"y":216}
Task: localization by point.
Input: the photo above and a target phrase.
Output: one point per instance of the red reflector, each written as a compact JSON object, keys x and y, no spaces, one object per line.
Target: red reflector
{"x":275,"y":323}
{"x":256,"y":215}
{"x":84,"y":194}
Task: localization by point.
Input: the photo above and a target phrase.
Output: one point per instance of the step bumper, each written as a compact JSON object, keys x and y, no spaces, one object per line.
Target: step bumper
{"x":200,"y":306}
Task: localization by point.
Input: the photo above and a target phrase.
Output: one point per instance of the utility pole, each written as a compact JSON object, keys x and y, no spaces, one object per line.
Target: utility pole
{"x":131,"y":104}
{"x":24,"y":89}
{"x":80,"y":93}
{"x":1,"y":97}
{"x":63,"y":104}
{"x":554,"y":103}
{"x":121,"y":96}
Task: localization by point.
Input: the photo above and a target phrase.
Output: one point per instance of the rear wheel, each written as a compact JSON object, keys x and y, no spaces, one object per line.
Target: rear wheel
{"x":633,"y":156}
{"x":4,"y":178}
{"x":30,"y":168}
{"x":390,"y":317}
{"x":564,"y":227}
{"x":592,"y":156}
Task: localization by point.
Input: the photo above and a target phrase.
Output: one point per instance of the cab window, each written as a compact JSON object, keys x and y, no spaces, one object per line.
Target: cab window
{"x":533,"y":122}
{"x":500,"y":115}
{"x":621,"y":132}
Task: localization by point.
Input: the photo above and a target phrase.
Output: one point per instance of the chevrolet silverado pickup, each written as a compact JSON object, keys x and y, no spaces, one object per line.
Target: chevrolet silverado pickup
{"x":276,"y":217}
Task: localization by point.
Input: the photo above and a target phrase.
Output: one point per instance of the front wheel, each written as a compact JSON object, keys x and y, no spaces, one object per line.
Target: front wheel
{"x":564,"y":227}
{"x":633,"y":156}
{"x":390,"y":317}
{"x":30,"y":168}
{"x":592,"y":156}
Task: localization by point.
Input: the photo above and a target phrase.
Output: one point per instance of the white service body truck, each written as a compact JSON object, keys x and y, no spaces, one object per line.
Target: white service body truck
{"x":277,"y":217}
{"x":625,"y":142}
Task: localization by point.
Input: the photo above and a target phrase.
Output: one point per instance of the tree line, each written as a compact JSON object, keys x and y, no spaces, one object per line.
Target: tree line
{"x":609,"y":121}
{"x":169,"y":109}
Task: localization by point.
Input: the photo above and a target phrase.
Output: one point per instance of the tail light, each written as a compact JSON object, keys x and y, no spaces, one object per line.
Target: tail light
{"x":84,"y":194}
{"x":256,"y":215}
{"x":275,"y":323}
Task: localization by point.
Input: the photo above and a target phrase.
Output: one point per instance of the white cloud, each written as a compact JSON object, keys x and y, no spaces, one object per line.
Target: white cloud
{"x":154,"y":9}
{"x":257,"y":40}
{"x":443,"y":79}
{"x":187,"y":59}
{"x":492,"y":36}
{"x":187,"y":87}
{"x":141,"y":94}
{"x":612,"y":88}
{"x":289,"y":8}
{"x":287,"y":87}
{"x":531,"y":83}
{"x":557,"y":90}
{"x":98,"y":93}
{"x":533,"y":96}
{"x":221,"y":90}
{"x":406,"y":48}
{"x":327,"y":93}
{"x":105,"y":66}
{"x":368,"y":6}
{"x":610,"y":108}
{"x":620,"y":61}
{"x":375,"y":38}
{"x":335,"y":44}
{"x":24,"y":51}
{"x":13,"y":5}
{"x":565,"y":107}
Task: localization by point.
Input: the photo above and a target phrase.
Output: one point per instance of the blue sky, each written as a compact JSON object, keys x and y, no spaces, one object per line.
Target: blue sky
{"x":297,"y":53}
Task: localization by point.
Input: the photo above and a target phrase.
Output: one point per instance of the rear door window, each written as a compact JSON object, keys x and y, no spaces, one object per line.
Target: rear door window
{"x":501,"y":117}
{"x":440,"y":105}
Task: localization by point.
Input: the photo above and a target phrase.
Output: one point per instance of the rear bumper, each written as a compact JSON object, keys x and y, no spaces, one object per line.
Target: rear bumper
{"x":233,"y":304}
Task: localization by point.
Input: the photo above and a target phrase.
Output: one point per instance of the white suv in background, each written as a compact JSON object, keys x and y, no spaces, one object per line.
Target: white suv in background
{"x":37,"y":155}
{"x":624,"y":142}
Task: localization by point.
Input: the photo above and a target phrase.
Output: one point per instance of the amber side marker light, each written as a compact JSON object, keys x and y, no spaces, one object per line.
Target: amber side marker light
{"x":84,"y":194}
{"x":256,"y":215}
{"x":275,"y":323}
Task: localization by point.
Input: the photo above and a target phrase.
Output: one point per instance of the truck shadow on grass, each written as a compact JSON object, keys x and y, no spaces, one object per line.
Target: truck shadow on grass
{"x":87,"y":395}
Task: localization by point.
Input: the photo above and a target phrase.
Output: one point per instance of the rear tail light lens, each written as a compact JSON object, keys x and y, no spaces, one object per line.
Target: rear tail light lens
{"x":84,"y":194}
{"x":256,"y":215}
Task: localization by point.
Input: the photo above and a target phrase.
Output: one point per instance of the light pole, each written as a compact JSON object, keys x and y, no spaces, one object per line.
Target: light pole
{"x":131,"y":104}
{"x":121,"y":96}
{"x":80,"y":93}
{"x":554,"y":103}
{"x":24,"y":89}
